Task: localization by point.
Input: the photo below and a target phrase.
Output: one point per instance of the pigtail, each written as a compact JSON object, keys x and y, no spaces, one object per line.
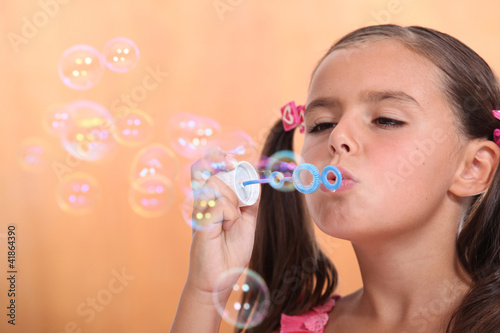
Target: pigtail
{"x":478,"y":248}
{"x":298,"y":274}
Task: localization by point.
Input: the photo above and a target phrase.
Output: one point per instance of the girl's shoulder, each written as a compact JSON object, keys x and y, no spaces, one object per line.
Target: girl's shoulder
{"x":312,"y":321}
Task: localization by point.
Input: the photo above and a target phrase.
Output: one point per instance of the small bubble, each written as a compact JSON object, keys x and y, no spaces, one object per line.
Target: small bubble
{"x":56,"y":119}
{"x":155,"y":159}
{"x":78,"y":193}
{"x":134,"y":128}
{"x":151,"y":196}
{"x":282,"y":161}
{"x":33,"y":155}
{"x":187,"y":134}
{"x":121,"y":55}
{"x":239,"y":143}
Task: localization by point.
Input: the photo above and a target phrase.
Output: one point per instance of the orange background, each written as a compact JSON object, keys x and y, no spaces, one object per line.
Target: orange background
{"x":236,"y":66}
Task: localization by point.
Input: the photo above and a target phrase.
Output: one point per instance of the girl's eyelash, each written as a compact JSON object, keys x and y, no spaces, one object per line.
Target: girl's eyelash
{"x":381,"y":121}
{"x":320,"y":127}
{"x":388,"y":122}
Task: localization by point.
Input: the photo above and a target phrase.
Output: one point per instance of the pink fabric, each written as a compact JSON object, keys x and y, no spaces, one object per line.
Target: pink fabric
{"x":313,"y":321}
{"x":293,"y":116}
{"x":496,"y":133}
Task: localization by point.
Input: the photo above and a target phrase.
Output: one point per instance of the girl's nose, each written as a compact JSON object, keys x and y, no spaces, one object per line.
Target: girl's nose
{"x":341,"y":140}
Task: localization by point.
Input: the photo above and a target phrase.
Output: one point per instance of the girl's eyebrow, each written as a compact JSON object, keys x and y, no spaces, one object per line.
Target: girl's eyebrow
{"x":326,"y":102}
{"x":367,"y":96}
{"x":393,"y":95}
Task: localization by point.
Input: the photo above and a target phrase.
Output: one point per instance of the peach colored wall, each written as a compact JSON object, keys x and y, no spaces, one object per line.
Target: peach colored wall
{"x":237,"y":67}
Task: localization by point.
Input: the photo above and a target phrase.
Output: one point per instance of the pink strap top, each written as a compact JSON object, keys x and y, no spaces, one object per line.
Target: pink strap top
{"x":313,"y":321}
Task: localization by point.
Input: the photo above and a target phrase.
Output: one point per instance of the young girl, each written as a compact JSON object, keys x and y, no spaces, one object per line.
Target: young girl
{"x":406,"y":114}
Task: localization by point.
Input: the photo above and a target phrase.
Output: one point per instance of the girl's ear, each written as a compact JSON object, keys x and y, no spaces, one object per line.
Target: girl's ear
{"x":477,"y":168}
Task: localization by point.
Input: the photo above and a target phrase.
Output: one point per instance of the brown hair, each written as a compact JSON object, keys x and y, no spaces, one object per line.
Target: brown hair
{"x":284,"y":234}
{"x":298,"y":274}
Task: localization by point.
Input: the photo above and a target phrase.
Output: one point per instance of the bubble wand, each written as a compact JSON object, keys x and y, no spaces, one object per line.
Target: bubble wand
{"x":244,"y":180}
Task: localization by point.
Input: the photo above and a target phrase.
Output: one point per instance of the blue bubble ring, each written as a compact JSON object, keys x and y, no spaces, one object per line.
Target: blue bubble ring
{"x":298,"y":184}
{"x":279,"y":177}
{"x":324,"y":178}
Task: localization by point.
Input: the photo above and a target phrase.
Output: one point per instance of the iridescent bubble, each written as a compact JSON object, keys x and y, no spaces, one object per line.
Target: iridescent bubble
{"x":151,"y":196}
{"x":195,"y":176}
{"x":248,"y":302}
{"x":283,"y":161}
{"x":133,"y":128}
{"x":192,"y":136}
{"x":198,"y":208}
{"x":89,"y":135}
{"x":81,"y":67}
{"x":121,"y":54}
{"x":33,"y":155}
{"x":238,"y":143}
{"x":56,"y":119}
{"x":191,"y":181}
{"x":153,"y":160}
{"x":78,"y":193}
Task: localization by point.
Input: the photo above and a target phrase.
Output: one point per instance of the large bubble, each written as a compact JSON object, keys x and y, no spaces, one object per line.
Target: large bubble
{"x":192,"y":136}
{"x":120,"y":54}
{"x":248,"y":302}
{"x":78,"y":193}
{"x":81,"y":67}
{"x":89,"y":135}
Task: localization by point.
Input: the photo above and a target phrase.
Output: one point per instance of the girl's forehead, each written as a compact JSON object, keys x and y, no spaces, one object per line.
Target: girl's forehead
{"x":385,"y":65}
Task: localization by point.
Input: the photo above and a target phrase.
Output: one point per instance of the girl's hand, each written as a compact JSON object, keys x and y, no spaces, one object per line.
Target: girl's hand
{"x":226,"y":240}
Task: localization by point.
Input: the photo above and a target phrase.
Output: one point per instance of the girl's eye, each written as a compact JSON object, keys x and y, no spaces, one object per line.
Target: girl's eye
{"x":320,"y":127}
{"x":388,"y":122}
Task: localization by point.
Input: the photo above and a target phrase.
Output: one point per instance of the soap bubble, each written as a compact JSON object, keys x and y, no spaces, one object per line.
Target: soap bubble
{"x":133,"y":128}
{"x":248,"y":302}
{"x":284,"y":161}
{"x":192,"y":136}
{"x":120,"y":54}
{"x":238,"y":143}
{"x":198,"y":208}
{"x":78,"y":193}
{"x":151,"y":196}
{"x":152,"y":160}
{"x":33,"y":155}
{"x":81,"y":67}
{"x":89,"y":135}
{"x":56,"y":119}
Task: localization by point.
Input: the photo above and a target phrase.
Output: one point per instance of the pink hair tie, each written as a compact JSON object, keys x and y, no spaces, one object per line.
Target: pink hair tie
{"x":496,"y":133}
{"x":292,"y":116}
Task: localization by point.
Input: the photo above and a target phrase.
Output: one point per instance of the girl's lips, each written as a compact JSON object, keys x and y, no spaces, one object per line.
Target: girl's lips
{"x":346,"y":184}
{"x":348,"y":181}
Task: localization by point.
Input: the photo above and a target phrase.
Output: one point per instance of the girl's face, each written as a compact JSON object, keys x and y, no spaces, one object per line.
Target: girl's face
{"x":377,"y":112}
